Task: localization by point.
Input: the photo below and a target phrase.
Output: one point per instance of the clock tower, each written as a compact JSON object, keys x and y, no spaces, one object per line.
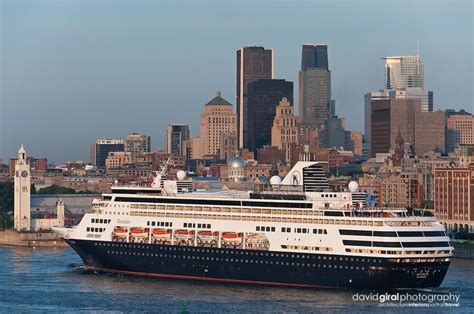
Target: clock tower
{"x":22,"y":192}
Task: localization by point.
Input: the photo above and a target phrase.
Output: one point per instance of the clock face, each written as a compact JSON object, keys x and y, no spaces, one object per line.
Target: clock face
{"x":24,"y":173}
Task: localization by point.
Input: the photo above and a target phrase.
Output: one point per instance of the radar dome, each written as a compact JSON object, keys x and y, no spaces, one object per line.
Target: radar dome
{"x":237,"y":162}
{"x":181,"y":175}
{"x":275,"y":180}
{"x":353,"y":186}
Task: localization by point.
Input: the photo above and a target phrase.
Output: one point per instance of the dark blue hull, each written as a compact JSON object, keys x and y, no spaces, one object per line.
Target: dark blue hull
{"x":259,"y":267}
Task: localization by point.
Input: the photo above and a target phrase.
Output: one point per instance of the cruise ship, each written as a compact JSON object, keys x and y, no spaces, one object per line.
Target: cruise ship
{"x":298,"y":233}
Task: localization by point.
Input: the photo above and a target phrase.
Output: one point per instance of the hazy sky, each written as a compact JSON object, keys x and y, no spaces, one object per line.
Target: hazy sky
{"x":74,"y":71}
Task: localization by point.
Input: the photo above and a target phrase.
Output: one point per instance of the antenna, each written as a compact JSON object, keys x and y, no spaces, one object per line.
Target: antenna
{"x":418,"y":60}
{"x":418,"y":47}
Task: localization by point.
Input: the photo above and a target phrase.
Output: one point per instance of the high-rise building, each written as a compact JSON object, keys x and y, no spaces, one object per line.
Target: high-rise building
{"x":137,"y":145}
{"x":193,"y":148}
{"x":404,"y":72}
{"x":461,"y":124}
{"x":263,"y":97}
{"x":176,"y":135}
{"x":253,"y":63}
{"x":284,"y":129}
{"x":103,"y":147}
{"x":369,"y":98}
{"x":454,"y":197}
{"x":315,"y":104}
{"x":217,"y":118}
{"x":333,"y":133}
{"x":426,"y":98}
{"x":424,"y":131}
{"x":379,"y":126}
{"x":314,"y":56}
{"x":308,"y":134}
{"x":228,"y":146}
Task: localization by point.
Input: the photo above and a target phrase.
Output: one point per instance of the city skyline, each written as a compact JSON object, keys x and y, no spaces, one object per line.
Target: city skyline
{"x":78,"y":88}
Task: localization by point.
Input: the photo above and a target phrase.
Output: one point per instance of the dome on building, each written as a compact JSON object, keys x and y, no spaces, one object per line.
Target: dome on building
{"x":237,"y":162}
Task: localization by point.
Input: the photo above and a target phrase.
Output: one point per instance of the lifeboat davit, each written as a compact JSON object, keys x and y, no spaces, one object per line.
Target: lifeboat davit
{"x":120,"y":232}
{"x":161,"y":233}
{"x":139,"y":232}
{"x":232,"y":237}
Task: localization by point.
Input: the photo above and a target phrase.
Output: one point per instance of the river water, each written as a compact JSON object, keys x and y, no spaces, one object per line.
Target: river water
{"x":51,"y":280}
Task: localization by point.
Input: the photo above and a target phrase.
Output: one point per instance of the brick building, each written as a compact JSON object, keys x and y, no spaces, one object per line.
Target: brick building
{"x":454,"y":197}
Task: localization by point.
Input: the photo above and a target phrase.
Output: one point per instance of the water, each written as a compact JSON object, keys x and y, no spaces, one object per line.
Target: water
{"x":49,"y":280}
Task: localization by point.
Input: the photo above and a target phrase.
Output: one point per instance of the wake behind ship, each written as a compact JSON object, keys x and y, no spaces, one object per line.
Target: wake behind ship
{"x":298,"y":234}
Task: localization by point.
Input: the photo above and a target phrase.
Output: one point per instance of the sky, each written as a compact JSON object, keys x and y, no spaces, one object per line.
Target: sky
{"x":72,"y":71}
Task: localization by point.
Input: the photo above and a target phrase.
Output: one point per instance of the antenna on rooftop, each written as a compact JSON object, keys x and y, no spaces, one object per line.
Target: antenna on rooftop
{"x":417,"y":47}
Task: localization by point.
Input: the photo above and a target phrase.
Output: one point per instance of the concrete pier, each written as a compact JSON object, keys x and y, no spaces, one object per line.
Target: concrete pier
{"x":31,"y":239}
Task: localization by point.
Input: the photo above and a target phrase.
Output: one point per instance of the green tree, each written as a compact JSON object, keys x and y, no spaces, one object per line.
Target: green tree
{"x":56,"y":189}
{"x":6,"y":196}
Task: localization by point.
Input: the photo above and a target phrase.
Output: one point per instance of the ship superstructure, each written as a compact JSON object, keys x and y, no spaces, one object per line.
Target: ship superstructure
{"x":298,"y":234}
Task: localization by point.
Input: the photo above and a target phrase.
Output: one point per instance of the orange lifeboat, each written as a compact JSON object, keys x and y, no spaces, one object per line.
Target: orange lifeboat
{"x":183,"y":234}
{"x":232,"y":237}
{"x":139,"y":232}
{"x":161,"y":233}
{"x":120,"y":232}
{"x":206,"y":235}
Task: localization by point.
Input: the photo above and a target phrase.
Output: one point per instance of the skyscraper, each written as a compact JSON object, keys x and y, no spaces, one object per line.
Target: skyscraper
{"x":263,"y":97}
{"x":137,"y":145}
{"x":284,"y":129}
{"x":217,"y":118}
{"x":176,"y":135}
{"x":426,"y":98}
{"x":425,"y":131}
{"x":314,"y":56}
{"x":315,"y":85}
{"x":253,"y":63}
{"x":404,"y":72}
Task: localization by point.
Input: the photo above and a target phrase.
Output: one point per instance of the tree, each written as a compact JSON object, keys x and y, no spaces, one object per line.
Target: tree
{"x":6,"y":196}
{"x":56,"y":189}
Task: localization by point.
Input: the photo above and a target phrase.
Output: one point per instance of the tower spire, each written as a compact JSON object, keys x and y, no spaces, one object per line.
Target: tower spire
{"x":418,"y":47}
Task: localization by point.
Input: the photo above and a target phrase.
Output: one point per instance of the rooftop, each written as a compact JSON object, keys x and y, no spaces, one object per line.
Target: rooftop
{"x":218,"y":101}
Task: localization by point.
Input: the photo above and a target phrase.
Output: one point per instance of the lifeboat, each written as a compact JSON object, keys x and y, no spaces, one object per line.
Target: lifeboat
{"x":139,"y":232}
{"x":121,"y":232}
{"x":208,"y":235}
{"x":161,"y":233}
{"x":183,"y":234}
{"x":232,"y":237}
